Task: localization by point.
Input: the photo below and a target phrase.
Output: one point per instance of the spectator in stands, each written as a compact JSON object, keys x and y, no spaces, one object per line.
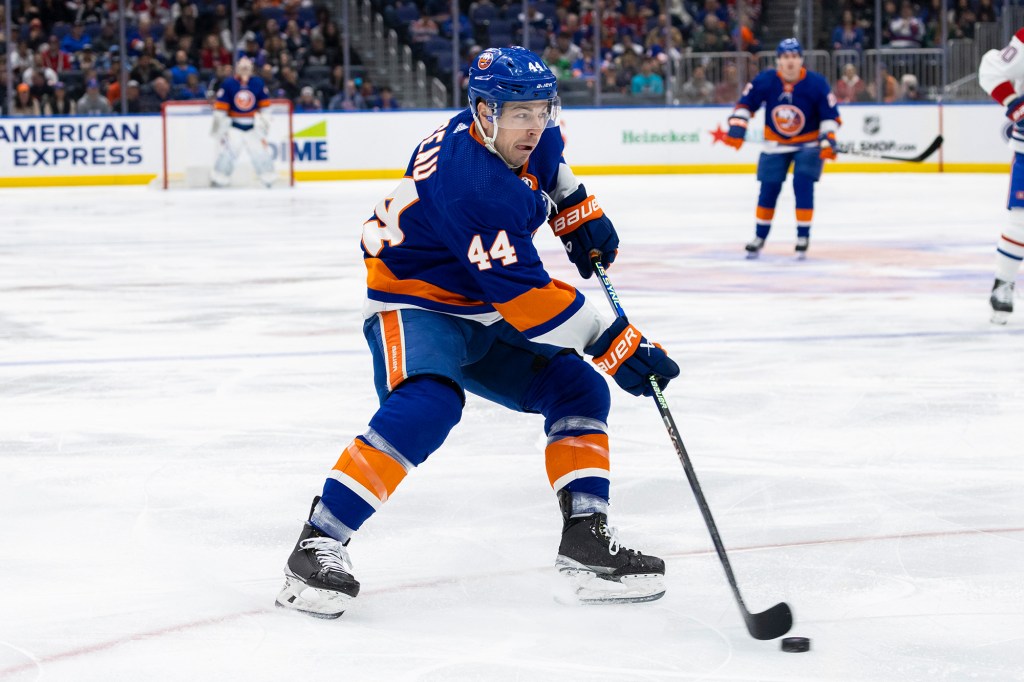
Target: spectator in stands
{"x":743,"y":36}
{"x":90,"y":12}
{"x":145,"y":70}
{"x":308,"y":101}
{"x":182,"y":69}
{"x":348,"y":99}
{"x":252,"y":50}
{"x":132,"y":98}
{"x":423,"y":29}
{"x":848,"y":35}
{"x":213,"y":53}
{"x":24,"y":103}
{"x":384,"y":100}
{"x":964,"y":18}
{"x":55,"y":58}
{"x":317,"y":55}
{"x":909,"y":90}
{"x":889,"y":86}
{"x":728,"y":89}
{"x":711,"y":36}
{"x":92,"y":103}
{"x":22,"y":58}
{"x":648,"y":81}
{"x":713,"y":7}
{"x":850,"y":88}
{"x":698,"y":89}
{"x":39,"y":88}
{"x":295,"y":40}
{"x":106,"y":39}
{"x":153,"y":11}
{"x":559,"y":63}
{"x":76,"y":40}
{"x":159,"y":91}
{"x":568,"y":49}
{"x":986,"y":13}
{"x":906,"y":30}
{"x":633,"y":19}
{"x":191,"y":89}
{"x":626,"y":43}
{"x":60,"y":104}
{"x":288,"y":83}
{"x":90,"y":59}
{"x":627,"y":65}
{"x":663,"y":27}
{"x":38,"y":67}
{"x":37,"y":35}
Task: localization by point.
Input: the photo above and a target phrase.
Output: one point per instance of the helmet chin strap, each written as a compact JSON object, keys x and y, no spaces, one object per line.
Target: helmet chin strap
{"x":489,"y":141}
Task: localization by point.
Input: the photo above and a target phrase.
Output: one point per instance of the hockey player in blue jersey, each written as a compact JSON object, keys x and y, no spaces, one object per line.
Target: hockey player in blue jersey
{"x":801,"y":120}
{"x":458,"y":302}
{"x":241,"y":119}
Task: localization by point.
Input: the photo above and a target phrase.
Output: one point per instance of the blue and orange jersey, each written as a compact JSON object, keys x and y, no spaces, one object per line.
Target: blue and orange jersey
{"x":241,"y":101}
{"x":456,"y":237}
{"x":795,"y":113}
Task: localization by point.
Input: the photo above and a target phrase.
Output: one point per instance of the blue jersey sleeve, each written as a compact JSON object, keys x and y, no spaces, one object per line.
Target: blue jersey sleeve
{"x":756,"y":91}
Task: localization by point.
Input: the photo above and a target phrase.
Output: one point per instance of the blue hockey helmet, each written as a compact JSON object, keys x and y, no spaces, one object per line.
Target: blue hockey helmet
{"x":512,"y":74}
{"x":788,"y":46}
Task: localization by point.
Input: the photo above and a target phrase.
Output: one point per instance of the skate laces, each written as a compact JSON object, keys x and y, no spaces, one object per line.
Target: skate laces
{"x":329,"y":552}
{"x":612,"y":535}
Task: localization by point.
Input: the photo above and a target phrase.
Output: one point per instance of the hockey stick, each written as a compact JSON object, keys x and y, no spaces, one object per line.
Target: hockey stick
{"x":845,"y":149}
{"x":769,"y":624}
{"x":932,"y":148}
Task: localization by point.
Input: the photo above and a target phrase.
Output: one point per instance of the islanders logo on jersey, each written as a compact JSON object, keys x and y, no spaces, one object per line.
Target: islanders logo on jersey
{"x":788,"y":119}
{"x":244,"y":100}
{"x":485,"y":60}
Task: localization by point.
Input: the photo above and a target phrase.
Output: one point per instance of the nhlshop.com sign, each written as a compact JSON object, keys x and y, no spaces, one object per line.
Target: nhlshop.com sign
{"x":79,"y":146}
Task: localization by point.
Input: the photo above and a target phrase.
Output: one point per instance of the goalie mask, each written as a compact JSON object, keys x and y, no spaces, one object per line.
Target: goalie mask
{"x":512,"y":75}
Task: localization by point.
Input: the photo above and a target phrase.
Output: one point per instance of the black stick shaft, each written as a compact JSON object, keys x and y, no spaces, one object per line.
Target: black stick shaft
{"x":768,"y":625}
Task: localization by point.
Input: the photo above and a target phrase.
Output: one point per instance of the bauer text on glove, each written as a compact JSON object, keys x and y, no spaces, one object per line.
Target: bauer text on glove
{"x":583,"y":227}
{"x":623,"y":352}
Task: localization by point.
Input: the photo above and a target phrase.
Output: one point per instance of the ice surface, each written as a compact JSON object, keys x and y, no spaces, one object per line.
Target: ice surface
{"x":178,"y":371}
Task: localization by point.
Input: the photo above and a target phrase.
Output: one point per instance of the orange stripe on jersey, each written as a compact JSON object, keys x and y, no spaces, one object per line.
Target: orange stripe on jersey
{"x":537,"y":306}
{"x":773,"y":136}
{"x":380,"y":278}
{"x":804,"y":215}
{"x":223,"y":106}
{"x":576,"y":454}
{"x":765,"y":213}
{"x":393,"y":336}
{"x":371,"y":468}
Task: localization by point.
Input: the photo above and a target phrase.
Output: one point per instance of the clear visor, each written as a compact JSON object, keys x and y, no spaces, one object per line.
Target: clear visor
{"x":527,"y":115}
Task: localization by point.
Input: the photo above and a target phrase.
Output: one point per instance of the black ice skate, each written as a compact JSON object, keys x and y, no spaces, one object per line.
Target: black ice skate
{"x":754,"y":247}
{"x":318,"y":577}
{"x":801,"y":247}
{"x":1001,"y":301}
{"x":599,"y":569}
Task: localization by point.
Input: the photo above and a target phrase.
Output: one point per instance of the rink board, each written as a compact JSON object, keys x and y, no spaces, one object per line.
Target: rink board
{"x":361,"y":146}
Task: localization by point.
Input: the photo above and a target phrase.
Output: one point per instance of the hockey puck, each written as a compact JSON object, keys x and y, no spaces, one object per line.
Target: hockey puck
{"x":796,"y":645}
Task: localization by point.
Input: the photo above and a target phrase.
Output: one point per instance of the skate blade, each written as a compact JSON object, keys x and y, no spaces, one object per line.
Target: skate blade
{"x":319,"y":603}
{"x":752,"y":255}
{"x":801,"y":255}
{"x":1000,"y":317}
{"x":588,"y":587}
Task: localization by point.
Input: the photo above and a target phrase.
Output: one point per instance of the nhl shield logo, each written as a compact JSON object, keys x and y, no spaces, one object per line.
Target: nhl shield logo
{"x":872,"y":124}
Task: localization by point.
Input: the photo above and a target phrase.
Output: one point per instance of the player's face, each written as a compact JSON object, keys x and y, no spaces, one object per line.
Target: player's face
{"x":790,"y":64}
{"x":519,"y":129}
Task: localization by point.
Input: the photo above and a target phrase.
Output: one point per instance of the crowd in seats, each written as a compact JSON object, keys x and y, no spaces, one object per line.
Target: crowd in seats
{"x":67,"y":55}
{"x":904,"y":23}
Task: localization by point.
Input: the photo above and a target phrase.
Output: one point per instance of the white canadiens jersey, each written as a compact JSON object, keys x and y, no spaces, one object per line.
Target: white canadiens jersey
{"x":1001,"y":74}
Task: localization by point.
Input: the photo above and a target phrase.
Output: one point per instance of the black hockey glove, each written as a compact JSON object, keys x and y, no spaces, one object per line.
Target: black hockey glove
{"x":623,"y":352}
{"x":582,"y":226}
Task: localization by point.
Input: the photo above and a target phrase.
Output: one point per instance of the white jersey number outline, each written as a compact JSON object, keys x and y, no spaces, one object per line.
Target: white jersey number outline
{"x":383,"y":227}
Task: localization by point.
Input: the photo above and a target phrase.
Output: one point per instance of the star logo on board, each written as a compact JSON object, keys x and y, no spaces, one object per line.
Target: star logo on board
{"x":718,"y":134}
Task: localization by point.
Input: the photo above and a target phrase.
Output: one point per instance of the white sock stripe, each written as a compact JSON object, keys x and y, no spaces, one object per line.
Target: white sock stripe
{"x":578,"y":474}
{"x":576,"y":424}
{"x":356,"y":487}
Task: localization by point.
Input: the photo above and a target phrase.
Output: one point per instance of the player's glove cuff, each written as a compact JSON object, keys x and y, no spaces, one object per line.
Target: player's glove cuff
{"x":583,"y":228}
{"x":1015,"y":109}
{"x":737,"y":132}
{"x":828,"y":146}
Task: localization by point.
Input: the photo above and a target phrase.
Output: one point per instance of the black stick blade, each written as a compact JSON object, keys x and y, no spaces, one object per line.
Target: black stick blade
{"x":775,"y":622}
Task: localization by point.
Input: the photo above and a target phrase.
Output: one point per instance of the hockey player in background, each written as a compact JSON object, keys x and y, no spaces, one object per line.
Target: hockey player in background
{"x":458,"y":302}
{"x":801,"y":120}
{"x":1001,"y":74}
{"x":240,"y":119}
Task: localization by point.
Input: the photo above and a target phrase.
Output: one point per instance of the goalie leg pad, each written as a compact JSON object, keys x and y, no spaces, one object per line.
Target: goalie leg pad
{"x":224,"y":166}
{"x":262,"y":160}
